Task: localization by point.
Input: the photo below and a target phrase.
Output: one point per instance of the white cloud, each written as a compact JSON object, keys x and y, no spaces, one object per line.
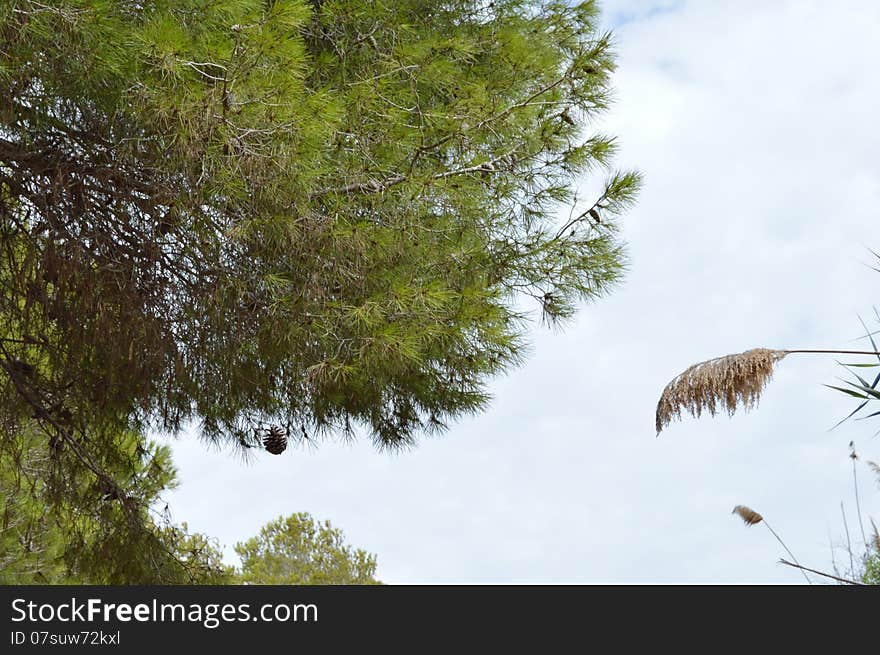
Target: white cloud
{"x":754,"y":123}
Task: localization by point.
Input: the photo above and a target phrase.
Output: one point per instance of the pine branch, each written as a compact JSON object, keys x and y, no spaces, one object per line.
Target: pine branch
{"x":67,"y":437}
{"x":380,"y":186}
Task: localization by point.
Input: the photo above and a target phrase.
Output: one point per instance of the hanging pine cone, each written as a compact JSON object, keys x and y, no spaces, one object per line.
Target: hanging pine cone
{"x":276,"y":441}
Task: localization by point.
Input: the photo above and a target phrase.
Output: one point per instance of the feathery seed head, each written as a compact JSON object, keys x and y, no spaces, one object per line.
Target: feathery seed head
{"x":724,"y":382}
{"x":748,"y":515}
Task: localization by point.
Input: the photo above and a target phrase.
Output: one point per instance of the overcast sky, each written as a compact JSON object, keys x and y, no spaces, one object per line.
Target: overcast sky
{"x":754,"y":123}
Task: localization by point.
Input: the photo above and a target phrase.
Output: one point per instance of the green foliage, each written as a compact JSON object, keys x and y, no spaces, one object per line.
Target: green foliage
{"x":865,"y":390}
{"x":31,"y":545}
{"x":81,"y":534}
{"x":871,"y":573}
{"x":872,"y":569}
{"x":317,"y":214}
{"x":300,"y":550}
{"x":322,"y":215}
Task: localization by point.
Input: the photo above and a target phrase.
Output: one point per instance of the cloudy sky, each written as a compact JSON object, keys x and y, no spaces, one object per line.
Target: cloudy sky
{"x":755,"y":125}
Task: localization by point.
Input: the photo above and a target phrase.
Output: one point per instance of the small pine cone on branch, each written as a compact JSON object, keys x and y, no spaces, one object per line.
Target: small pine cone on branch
{"x":276,"y":440}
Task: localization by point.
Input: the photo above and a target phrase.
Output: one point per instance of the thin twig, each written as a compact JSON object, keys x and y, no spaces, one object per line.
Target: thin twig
{"x":824,"y":575}
{"x":773,"y":532}
{"x":854,"y":457}
{"x":852,"y":566}
{"x":833,"y":556}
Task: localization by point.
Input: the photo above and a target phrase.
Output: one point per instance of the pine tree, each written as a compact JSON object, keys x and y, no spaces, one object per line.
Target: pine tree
{"x":316,"y":215}
{"x":70,"y":529}
{"x":300,"y":550}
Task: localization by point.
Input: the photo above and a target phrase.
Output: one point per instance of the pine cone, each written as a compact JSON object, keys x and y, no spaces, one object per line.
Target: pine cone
{"x":276,"y":441}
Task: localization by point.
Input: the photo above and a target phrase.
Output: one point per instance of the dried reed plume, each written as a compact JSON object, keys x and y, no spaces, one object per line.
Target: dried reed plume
{"x":747,"y":514}
{"x":751,"y":517}
{"x":727,"y":381}
{"x":724,"y":381}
